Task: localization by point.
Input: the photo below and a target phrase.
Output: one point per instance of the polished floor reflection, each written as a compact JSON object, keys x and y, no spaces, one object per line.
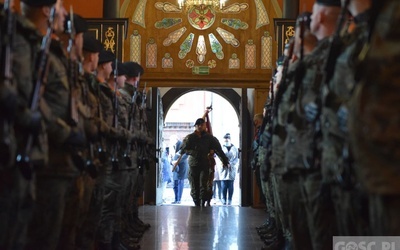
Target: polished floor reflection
{"x":198,"y":228}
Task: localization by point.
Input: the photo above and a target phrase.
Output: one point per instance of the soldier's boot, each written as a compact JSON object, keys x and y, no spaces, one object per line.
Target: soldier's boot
{"x":140,"y":222}
{"x":269,"y":222}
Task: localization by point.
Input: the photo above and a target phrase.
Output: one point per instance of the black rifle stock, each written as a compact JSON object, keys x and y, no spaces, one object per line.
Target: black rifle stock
{"x":8,"y":92}
{"x":23,"y":160}
{"x":72,"y":71}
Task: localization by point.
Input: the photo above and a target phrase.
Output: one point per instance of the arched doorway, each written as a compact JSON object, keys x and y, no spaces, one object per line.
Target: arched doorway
{"x":238,"y":99}
{"x":179,"y":120}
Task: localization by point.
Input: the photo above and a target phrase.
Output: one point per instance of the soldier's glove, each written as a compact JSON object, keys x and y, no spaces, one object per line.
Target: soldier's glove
{"x":76,"y":140}
{"x":311,"y":111}
{"x":343,"y":115}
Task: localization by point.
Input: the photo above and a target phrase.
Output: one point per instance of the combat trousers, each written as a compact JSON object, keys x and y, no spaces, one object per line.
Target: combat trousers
{"x":280,"y":196}
{"x":71,"y":217}
{"x":111,"y":209}
{"x":319,"y":209}
{"x":198,"y":178}
{"x":296,"y":213}
{"x":129,"y":193}
{"x":46,"y":224}
{"x":269,"y":197}
{"x":384,"y":215}
{"x":84,"y":237}
{"x":90,"y":225}
{"x":16,"y":206}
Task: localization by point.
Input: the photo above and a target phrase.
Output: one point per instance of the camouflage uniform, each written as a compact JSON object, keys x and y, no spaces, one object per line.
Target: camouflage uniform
{"x":301,"y":152}
{"x":16,"y":191}
{"x":265,"y":176}
{"x":129,"y":192}
{"x":198,"y":146}
{"x":94,"y":190}
{"x":292,"y":209}
{"x":374,"y":122}
{"x":337,"y":170}
{"x":56,"y":180}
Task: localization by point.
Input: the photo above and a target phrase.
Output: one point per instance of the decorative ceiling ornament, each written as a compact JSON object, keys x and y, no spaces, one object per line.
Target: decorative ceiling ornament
{"x":201,"y":17}
{"x":217,"y":5}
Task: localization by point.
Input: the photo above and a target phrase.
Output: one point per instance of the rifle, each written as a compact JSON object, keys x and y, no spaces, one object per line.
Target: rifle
{"x":114,"y":156}
{"x":8,"y":97}
{"x":72,"y":70}
{"x":73,"y":78}
{"x":132,"y":114}
{"x":22,"y":160}
{"x":143,"y":159}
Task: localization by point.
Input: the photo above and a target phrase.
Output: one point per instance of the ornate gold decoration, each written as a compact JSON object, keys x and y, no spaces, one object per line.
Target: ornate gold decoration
{"x":109,"y":42}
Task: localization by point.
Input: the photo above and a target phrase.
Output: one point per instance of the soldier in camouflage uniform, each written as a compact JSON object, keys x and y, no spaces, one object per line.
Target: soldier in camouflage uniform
{"x":302,"y":141}
{"x":198,"y":145}
{"x":131,"y":230}
{"x":55,"y":180}
{"x":115,"y":114}
{"x":337,"y":168}
{"x":374,"y":119}
{"x":95,"y":128}
{"x":72,"y":40}
{"x":17,"y":186}
{"x":287,"y":178}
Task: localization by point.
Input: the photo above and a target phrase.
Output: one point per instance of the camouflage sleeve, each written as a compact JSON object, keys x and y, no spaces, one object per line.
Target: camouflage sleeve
{"x":22,"y":69}
{"x":56,"y":95}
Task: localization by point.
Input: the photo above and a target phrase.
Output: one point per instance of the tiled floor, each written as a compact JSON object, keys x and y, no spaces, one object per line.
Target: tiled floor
{"x":201,"y":228}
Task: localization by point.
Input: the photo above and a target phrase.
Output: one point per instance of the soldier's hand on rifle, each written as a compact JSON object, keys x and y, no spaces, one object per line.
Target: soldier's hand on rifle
{"x":343,"y":115}
{"x":311,"y":111}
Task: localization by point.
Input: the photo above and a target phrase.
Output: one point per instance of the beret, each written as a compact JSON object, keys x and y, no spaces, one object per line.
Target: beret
{"x":106,"y":56}
{"x":121,"y":70}
{"x":133,"y":69}
{"x":91,"y":44}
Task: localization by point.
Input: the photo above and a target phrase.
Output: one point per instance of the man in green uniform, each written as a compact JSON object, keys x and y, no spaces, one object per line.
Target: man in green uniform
{"x":302,"y":141}
{"x":374,"y":119}
{"x":95,"y":128}
{"x":337,"y":167}
{"x":56,"y":179}
{"x":17,"y":186}
{"x":132,"y":227}
{"x":198,"y":145}
{"x":285,"y":167}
